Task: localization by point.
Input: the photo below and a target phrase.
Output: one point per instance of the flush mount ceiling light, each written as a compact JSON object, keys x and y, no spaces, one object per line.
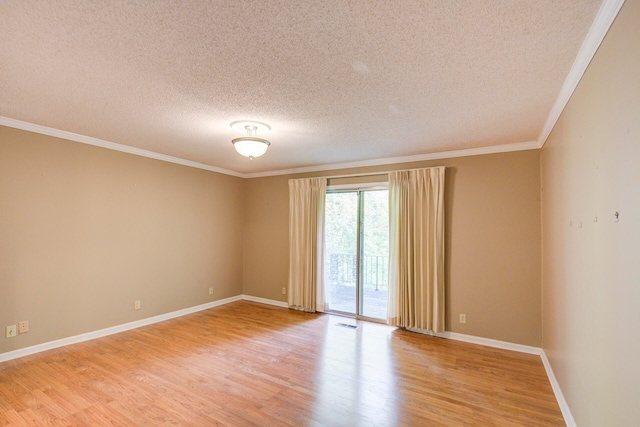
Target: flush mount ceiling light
{"x":250,"y":146}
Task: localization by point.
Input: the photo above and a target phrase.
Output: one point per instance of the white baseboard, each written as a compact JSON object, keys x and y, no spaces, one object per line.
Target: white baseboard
{"x":155,"y":319}
{"x":564,"y":407}
{"x":265,"y":301}
{"x":131,"y":325}
{"x":112,"y":330}
{"x":566,"y":413}
{"x":481,"y":341}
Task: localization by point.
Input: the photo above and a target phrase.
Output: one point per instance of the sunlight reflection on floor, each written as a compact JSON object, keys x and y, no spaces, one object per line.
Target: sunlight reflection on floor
{"x":355,"y":383}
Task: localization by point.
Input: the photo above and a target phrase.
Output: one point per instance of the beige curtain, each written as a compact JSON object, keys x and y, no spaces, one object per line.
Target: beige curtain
{"x":416,"y":251}
{"x":306,"y":243}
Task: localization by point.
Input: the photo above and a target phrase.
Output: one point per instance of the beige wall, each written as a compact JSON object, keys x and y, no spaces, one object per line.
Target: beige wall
{"x":492,"y":242}
{"x":591,"y":273}
{"x":85,"y":231}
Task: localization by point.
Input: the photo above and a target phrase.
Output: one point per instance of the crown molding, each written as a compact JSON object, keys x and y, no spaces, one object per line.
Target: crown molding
{"x":493,"y":149}
{"x":601,"y":24}
{"x":57,"y":133}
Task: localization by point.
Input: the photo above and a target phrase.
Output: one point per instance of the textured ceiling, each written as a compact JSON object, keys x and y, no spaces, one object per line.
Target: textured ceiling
{"x":338,"y":81}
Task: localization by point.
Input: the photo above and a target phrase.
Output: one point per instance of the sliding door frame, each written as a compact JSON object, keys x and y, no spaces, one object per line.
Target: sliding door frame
{"x":359,"y":189}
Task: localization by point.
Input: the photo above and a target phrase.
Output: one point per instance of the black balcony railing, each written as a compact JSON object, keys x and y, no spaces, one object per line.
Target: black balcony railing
{"x":375,"y":271}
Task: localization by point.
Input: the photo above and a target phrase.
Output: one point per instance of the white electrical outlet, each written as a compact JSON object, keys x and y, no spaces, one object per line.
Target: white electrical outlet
{"x":463,"y":318}
{"x":210,"y":291}
{"x":11,"y":331}
{"x":284,"y":291}
{"x":23,"y":326}
{"x":136,"y":305}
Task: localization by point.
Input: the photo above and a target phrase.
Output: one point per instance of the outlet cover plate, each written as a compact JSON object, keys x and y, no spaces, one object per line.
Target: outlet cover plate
{"x":23,"y":326}
{"x":11,"y":331}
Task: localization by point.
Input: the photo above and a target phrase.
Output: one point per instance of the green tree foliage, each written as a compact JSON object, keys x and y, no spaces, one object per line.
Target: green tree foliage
{"x":376,"y":223}
{"x":341,"y":216}
{"x":341,"y":213}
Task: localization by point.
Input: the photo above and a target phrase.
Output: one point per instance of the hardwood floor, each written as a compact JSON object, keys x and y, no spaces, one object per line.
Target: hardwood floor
{"x":245,"y":364}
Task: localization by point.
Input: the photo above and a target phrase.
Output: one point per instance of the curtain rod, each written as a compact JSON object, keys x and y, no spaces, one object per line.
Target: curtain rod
{"x":354,"y":175}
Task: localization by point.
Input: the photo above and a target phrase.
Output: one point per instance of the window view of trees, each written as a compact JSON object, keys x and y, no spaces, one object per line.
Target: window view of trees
{"x":341,"y":214}
{"x":375,"y":226}
{"x":341,"y":231}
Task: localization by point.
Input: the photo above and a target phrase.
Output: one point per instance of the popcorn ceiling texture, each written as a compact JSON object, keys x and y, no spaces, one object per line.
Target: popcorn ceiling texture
{"x":338,"y":81}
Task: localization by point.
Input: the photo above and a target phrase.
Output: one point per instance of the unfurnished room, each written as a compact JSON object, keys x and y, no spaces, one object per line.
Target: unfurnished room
{"x":320,"y":213}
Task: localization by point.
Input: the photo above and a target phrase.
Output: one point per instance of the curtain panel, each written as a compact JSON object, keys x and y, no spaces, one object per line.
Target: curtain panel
{"x":306,"y":243}
{"x":416,"y":250}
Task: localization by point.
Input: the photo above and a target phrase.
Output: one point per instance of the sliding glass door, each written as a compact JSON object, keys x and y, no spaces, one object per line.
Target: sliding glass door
{"x":374,"y":254}
{"x":357,"y":252}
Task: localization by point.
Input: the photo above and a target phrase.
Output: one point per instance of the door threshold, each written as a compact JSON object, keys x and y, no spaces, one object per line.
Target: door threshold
{"x":353,"y":316}
{"x":341,"y":313}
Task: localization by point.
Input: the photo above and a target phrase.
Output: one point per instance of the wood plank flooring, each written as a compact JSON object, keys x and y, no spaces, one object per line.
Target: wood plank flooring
{"x":245,"y":364}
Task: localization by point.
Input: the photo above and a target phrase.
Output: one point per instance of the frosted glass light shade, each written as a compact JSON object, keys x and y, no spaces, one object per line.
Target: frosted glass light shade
{"x":250,"y":146}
